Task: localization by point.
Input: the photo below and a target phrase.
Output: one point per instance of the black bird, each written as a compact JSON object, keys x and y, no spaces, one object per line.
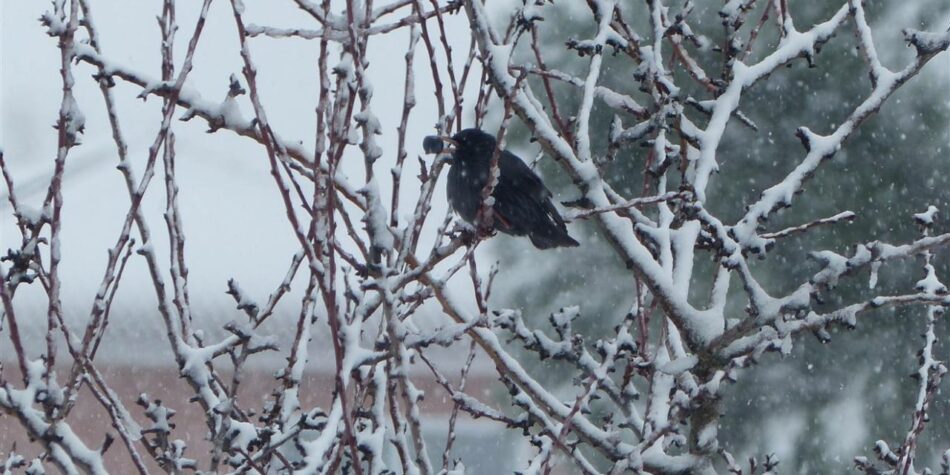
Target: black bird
{"x":522,"y":202}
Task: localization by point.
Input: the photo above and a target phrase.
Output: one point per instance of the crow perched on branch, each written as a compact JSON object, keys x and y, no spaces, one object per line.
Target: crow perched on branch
{"x":522,"y":204}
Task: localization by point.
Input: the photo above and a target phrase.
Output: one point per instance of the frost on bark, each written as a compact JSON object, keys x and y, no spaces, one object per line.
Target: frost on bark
{"x":657,"y":393}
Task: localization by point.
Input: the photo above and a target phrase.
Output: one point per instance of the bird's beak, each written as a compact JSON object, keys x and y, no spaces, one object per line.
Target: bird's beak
{"x":437,"y":145}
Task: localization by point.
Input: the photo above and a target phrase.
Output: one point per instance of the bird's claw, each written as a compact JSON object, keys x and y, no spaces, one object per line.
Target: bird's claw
{"x":484,"y":232}
{"x":471,"y":236}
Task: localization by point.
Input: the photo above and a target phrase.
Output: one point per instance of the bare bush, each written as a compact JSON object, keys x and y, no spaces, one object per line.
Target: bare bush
{"x":643,"y":401}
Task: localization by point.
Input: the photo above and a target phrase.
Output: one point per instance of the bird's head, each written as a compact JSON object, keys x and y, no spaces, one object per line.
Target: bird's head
{"x":469,"y":145}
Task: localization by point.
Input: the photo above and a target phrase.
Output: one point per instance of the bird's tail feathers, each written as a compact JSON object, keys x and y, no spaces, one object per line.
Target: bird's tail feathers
{"x":549,"y":230}
{"x":548,"y":240}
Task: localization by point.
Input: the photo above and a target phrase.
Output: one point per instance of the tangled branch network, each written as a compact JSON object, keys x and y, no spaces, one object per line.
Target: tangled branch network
{"x":365,"y":273}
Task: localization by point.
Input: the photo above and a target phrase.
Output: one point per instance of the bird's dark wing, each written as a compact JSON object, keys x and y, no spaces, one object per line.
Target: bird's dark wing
{"x":520,"y":175}
{"x":523,"y":206}
{"x":519,"y":196}
{"x":525,"y":179}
